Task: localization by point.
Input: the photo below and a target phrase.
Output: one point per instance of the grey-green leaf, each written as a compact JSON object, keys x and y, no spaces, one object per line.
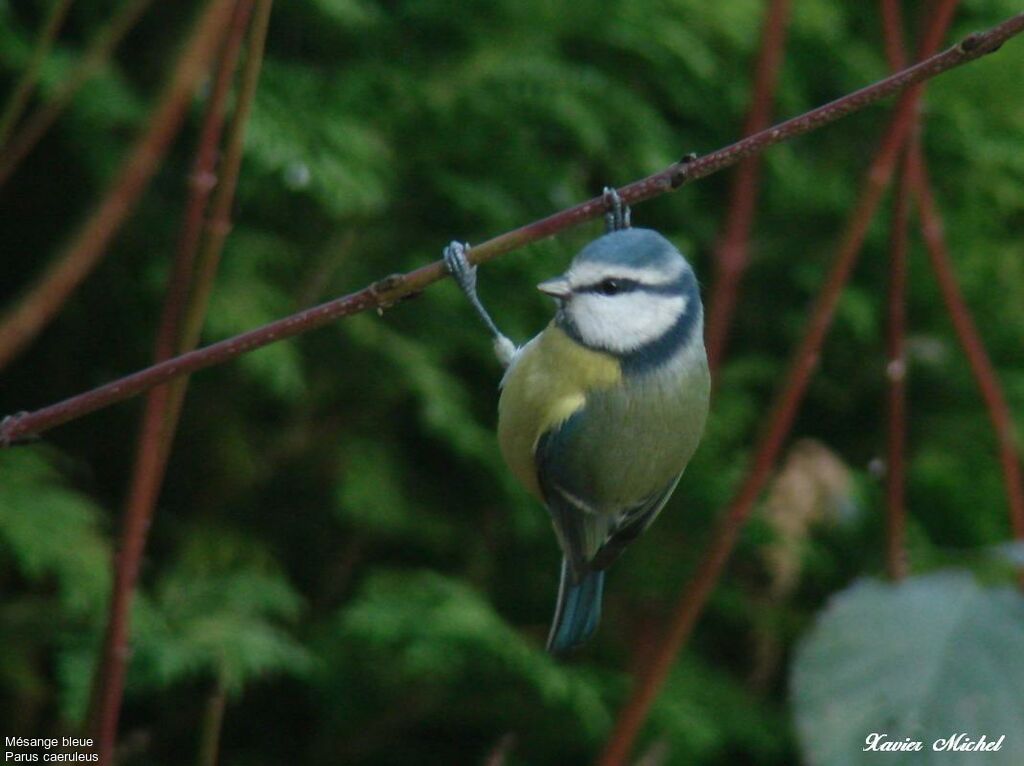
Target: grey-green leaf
{"x":926,"y":659}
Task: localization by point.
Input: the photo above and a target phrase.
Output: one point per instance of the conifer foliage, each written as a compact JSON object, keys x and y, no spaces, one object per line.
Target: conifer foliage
{"x":339,"y":558}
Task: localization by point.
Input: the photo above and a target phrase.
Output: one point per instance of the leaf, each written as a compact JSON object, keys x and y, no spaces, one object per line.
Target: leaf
{"x":925,"y":659}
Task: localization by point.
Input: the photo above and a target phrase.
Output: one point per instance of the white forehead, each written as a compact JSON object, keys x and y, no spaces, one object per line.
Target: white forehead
{"x":591,"y":272}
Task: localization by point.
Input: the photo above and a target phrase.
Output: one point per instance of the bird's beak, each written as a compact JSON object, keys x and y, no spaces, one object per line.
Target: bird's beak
{"x":557,"y":288}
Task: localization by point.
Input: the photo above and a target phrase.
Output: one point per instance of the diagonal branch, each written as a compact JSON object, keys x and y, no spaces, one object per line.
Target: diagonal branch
{"x":973,"y":346}
{"x":388,"y":291}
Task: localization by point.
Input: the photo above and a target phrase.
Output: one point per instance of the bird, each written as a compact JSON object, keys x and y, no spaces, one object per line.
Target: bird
{"x":600,"y":413}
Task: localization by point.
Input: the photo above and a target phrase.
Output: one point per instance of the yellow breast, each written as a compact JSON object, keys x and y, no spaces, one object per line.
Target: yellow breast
{"x":547,"y":382}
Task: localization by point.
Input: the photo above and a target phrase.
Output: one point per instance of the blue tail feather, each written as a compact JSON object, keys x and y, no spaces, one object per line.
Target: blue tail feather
{"x":577,"y":612}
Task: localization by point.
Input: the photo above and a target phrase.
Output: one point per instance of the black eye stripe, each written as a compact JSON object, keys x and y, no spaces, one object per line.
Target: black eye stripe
{"x":611,"y":286}
{"x":625,"y":285}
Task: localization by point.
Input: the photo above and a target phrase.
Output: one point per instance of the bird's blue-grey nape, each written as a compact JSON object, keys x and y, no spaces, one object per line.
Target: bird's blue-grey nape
{"x":638,"y":248}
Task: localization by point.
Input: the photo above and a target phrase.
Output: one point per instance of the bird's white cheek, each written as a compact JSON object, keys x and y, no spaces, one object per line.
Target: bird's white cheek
{"x":623,"y":323}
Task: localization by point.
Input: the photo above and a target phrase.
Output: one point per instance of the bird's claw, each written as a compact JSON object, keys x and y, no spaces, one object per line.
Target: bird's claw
{"x":464,"y":273}
{"x":459,"y":267}
{"x":618,"y":214}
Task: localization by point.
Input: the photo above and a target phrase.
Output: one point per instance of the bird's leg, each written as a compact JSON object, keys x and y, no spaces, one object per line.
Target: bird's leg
{"x":465,"y":275}
{"x":617,"y":217}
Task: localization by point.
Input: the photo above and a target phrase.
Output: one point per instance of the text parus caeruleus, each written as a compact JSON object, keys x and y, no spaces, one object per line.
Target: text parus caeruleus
{"x":600,"y":413}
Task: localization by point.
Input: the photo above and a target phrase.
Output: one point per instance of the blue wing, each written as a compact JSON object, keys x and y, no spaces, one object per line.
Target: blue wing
{"x":590,"y":539}
{"x":591,"y":536}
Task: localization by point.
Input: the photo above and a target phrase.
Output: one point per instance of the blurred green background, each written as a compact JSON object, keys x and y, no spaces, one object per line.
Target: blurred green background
{"x":338,"y":546}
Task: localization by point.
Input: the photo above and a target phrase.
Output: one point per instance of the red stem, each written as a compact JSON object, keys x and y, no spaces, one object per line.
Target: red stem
{"x":694,"y":597}
{"x":74,"y":263}
{"x":154,"y":433}
{"x":896,"y":374}
{"x":896,"y":369}
{"x":892,"y":34}
{"x":967,"y":334}
{"x":388,"y":291}
{"x":731,"y":253}
{"x":973,"y":346}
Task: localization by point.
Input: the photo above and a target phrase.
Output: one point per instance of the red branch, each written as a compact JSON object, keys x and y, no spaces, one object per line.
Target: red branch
{"x":731,"y":253}
{"x":45,"y":298}
{"x":154,"y":433}
{"x":896,"y":562}
{"x":973,"y":346}
{"x":892,"y":34}
{"x":388,"y":291}
{"x":967,"y":333}
{"x":694,"y":597}
{"x":896,"y":373}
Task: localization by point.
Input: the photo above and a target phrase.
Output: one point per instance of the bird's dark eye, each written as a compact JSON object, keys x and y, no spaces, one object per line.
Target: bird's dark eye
{"x":609,"y":287}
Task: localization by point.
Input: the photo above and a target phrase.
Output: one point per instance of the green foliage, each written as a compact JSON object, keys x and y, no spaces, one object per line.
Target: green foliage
{"x":339,"y":163}
{"x":703,"y":715}
{"x":50,"y":532}
{"x":439,"y":646}
{"x":217,"y":612}
{"x":925,"y":659}
{"x":337,"y":541}
{"x":244,"y":299}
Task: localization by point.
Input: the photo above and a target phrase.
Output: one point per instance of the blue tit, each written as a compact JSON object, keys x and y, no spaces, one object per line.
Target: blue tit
{"x":600,"y":413}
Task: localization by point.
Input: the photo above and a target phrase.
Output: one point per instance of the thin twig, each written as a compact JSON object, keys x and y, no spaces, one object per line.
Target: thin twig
{"x":202,"y":180}
{"x":500,"y":752}
{"x":726,"y":532}
{"x":35,"y":127}
{"x":896,"y":563}
{"x":896,"y":368}
{"x":892,"y":34}
{"x":157,"y":426}
{"x":213,"y":723}
{"x":220,"y":210}
{"x":963,"y":323}
{"x":731,"y":252}
{"x":388,"y":291}
{"x":896,"y":375}
{"x":973,"y":346}
{"x":19,"y":97}
{"x":45,"y":298}
{"x":219,"y":224}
